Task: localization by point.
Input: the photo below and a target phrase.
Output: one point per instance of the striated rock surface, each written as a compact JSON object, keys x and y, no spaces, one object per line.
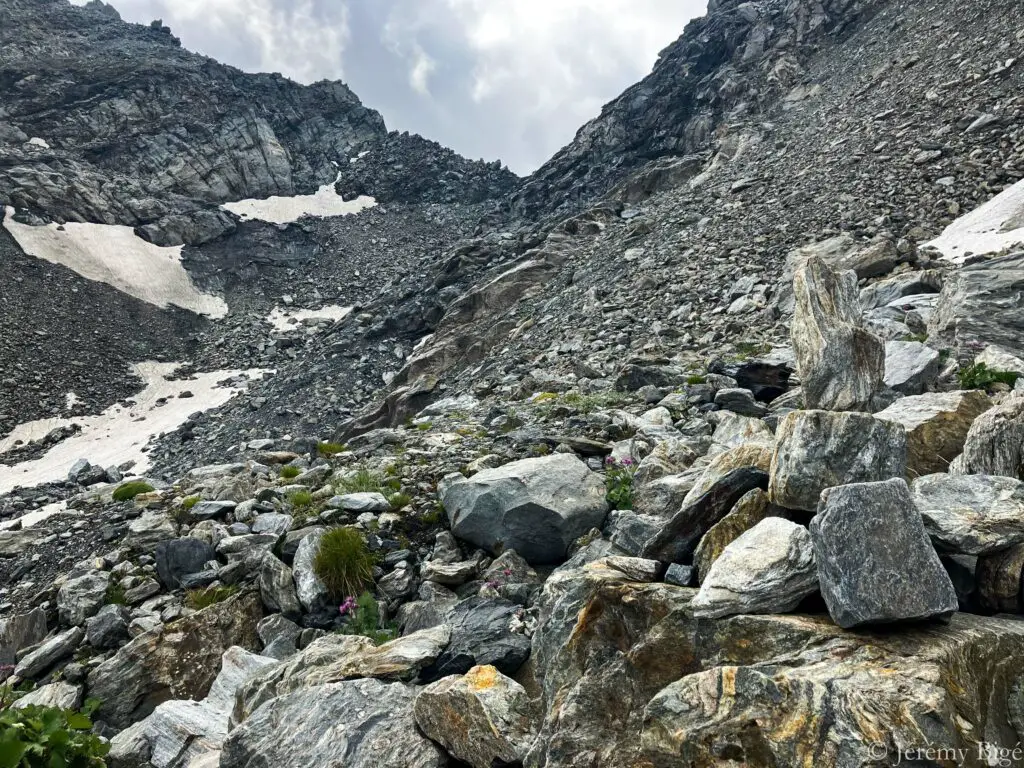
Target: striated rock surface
{"x":971,"y":514}
{"x":995,"y":442}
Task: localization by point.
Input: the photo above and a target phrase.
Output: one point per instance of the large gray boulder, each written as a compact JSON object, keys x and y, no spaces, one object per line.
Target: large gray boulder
{"x":481,"y":718}
{"x":178,"y":558}
{"x":768,"y":569}
{"x":537,"y":507}
{"x":277,"y":587}
{"x":876,"y":564}
{"x":52,"y":650}
{"x":910,"y":366}
{"x":841,"y":365}
{"x":22,"y":630}
{"x":312,"y":593}
{"x":355,"y":724}
{"x":995,"y":442}
{"x":971,"y":514}
{"x":821,"y":449}
{"x":482,"y":633}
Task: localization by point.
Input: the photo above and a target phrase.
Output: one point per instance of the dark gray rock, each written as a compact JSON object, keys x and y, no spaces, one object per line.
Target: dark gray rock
{"x":277,"y":587}
{"x":821,"y":449}
{"x":537,"y":507}
{"x":971,"y":514}
{"x":910,"y":366}
{"x":22,"y":630}
{"x":178,"y":558}
{"x":876,"y":564}
{"x":108,"y":629}
{"x":481,"y":633}
{"x":52,"y":650}
{"x":81,"y":597}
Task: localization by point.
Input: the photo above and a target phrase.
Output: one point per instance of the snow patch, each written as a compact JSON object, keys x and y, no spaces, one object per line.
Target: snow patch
{"x":115,"y":255}
{"x":989,"y":228}
{"x":287,"y":319}
{"x":37,"y":516}
{"x":120,"y":433}
{"x":285,"y":210}
{"x":35,"y":141}
{"x":71,"y":400}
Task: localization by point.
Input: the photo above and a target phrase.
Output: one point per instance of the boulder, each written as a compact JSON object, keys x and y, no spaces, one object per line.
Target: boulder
{"x":768,"y":569}
{"x":356,"y":724}
{"x":876,"y":563}
{"x":272,"y":523}
{"x":678,"y":538}
{"x":277,"y":587}
{"x":312,"y":593}
{"x":819,"y":449}
{"x":334,"y":658}
{"x":148,"y":530}
{"x":537,"y":507}
{"x":360,"y":502}
{"x":52,"y":650}
{"x":280,"y":636}
{"x":998,"y":578}
{"x":178,"y":558}
{"x":212,"y":510}
{"x":108,"y":629}
{"x":750,"y":510}
{"x":971,"y":514}
{"x":60,"y":695}
{"x":450,"y":574}
{"x":937,"y":425}
{"x":841,"y":365}
{"x":179,"y":660}
{"x":17,"y":543}
{"x":179,"y":733}
{"x":481,"y":718}
{"x":481,"y":634}
{"x":910,"y":366}
{"x":22,"y":630}
{"x":995,"y":442}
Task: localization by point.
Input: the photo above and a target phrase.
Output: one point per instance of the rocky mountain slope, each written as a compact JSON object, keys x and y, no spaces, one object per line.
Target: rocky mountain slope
{"x":701,"y":446}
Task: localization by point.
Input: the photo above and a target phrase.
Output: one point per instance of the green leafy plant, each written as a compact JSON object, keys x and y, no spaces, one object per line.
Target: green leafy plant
{"x":47,"y":737}
{"x":433,"y":516}
{"x":128,"y":491}
{"x":364,"y":619}
{"x":980,"y":376}
{"x":288,"y":472}
{"x":618,"y":481}
{"x":331,"y":449}
{"x":343,"y":563}
{"x":301,"y":499}
{"x":115,"y":594}
{"x":197,"y":599}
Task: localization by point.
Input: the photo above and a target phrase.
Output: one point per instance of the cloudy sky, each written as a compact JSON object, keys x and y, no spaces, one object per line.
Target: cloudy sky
{"x":497,"y":79}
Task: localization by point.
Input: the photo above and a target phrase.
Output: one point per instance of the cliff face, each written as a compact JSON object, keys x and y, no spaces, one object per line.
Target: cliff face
{"x":730,"y":64}
{"x":111,"y":122}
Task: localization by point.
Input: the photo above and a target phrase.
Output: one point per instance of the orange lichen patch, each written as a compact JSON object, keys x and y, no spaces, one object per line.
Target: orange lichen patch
{"x":482,"y":678}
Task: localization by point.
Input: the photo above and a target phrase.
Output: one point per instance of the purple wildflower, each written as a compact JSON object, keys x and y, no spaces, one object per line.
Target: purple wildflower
{"x":349,"y":606}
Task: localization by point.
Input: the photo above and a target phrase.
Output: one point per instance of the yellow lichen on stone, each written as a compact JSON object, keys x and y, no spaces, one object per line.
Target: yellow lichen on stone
{"x":482,"y":678}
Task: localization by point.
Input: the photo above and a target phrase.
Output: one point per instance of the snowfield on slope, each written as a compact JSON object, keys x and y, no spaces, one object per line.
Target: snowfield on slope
{"x":115,"y":255}
{"x":289,"y":319}
{"x":119,"y":434}
{"x":989,"y":228}
{"x":286,"y":210}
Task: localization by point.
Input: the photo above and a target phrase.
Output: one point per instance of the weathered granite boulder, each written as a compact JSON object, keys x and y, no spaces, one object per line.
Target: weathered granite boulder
{"x":81,"y":597}
{"x":971,"y":514}
{"x":60,"y":695}
{"x":995,"y":442}
{"x":819,"y":449}
{"x":356,"y":724}
{"x":910,"y":366}
{"x":841,"y":365}
{"x":876,"y":563}
{"x":751,"y":509}
{"x":277,"y":587}
{"x":312,"y":593}
{"x":179,"y":660}
{"x":537,"y":507}
{"x":481,"y":718}
{"x":768,"y":569}
{"x":937,"y":425}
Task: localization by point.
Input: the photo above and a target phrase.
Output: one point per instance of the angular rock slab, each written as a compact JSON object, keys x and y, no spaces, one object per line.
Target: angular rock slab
{"x":820,"y":449}
{"x":481,"y":634}
{"x":537,"y":507}
{"x":971,"y":514}
{"x":876,"y":564}
{"x":81,"y":597}
{"x":910,"y":366}
{"x":841,"y":365}
{"x":481,"y":718}
{"x":355,"y":724}
{"x":995,"y":442}
{"x":676,"y":541}
{"x":178,"y":558}
{"x":768,"y":569}
{"x":937,"y":425}
{"x":750,"y":510}
{"x":312,"y":592}
{"x":929,"y":684}
{"x":52,"y":650}
{"x":173,"y":661}
{"x":22,"y":630}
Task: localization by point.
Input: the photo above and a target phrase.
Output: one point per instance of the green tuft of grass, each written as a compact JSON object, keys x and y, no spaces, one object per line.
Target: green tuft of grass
{"x":197,"y":599}
{"x":288,"y":472}
{"x":343,"y":563}
{"x":331,"y":449}
{"x":115,"y":594}
{"x":433,"y":516}
{"x":399,"y":500}
{"x":128,"y":491}
{"x":190,"y":502}
{"x":921,"y":337}
{"x":301,"y":499}
{"x":361,"y":481}
{"x":696,"y":378}
{"x":980,"y":376}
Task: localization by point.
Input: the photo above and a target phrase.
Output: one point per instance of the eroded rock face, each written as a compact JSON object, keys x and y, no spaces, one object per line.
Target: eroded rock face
{"x":818,"y":450}
{"x":537,"y":507}
{"x":174,"y":661}
{"x":995,"y":442}
{"x":22,"y":630}
{"x":971,"y":514}
{"x":684,"y":689}
{"x":359,"y":723}
{"x":482,"y":717}
{"x":841,"y":364}
{"x":876,"y":564}
{"x":937,"y":425}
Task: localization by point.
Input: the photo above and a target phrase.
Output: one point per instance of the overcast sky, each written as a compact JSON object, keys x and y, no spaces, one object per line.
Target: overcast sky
{"x":494,"y":79}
